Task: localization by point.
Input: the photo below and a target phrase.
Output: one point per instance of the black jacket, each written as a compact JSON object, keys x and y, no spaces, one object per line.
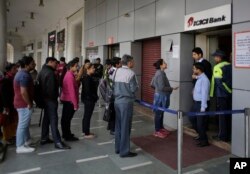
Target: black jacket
{"x":8,"y":93}
{"x":49,"y":83}
{"x":89,"y":89}
{"x":208,"y":68}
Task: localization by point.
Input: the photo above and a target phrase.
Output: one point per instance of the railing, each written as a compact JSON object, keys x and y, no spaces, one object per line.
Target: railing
{"x":180,"y":115}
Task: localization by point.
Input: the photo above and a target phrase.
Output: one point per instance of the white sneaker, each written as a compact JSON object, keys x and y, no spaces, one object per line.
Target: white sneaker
{"x":23,"y":149}
{"x":28,"y":143}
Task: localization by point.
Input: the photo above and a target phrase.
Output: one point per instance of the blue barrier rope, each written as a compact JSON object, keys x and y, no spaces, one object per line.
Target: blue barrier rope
{"x":191,"y":114}
{"x":228,"y":112}
{"x":156,"y":107}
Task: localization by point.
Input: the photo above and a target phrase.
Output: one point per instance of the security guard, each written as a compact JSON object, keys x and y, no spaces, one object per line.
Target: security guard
{"x":221,"y":88}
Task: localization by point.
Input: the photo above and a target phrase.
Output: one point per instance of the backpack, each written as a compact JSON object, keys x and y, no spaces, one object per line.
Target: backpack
{"x":106,"y":90}
{"x":38,"y":95}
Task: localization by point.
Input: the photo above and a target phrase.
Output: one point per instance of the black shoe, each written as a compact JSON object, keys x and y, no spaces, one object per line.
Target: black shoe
{"x":112,"y":133}
{"x":68,"y":135}
{"x":196,"y":138}
{"x":216,"y":137}
{"x":71,"y":139}
{"x":62,"y":146}
{"x":117,"y":152}
{"x":130,"y":154}
{"x":202,"y":144}
{"x":48,"y":141}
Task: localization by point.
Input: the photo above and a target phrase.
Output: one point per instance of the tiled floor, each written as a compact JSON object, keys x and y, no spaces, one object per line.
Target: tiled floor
{"x":97,"y":155}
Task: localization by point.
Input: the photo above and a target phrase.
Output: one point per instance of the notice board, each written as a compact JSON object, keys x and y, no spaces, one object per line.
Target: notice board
{"x":242,"y":49}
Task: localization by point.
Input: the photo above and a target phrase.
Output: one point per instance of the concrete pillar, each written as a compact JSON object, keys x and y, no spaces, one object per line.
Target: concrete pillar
{"x":179,"y":71}
{"x":134,"y":49}
{"x":70,"y":43}
{"x":102,"y":53}
{"x":3,"y":26}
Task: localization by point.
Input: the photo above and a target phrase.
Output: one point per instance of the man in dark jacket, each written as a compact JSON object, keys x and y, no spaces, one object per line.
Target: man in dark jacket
{"x":49,"y":84}
{"x":98,"y":69}
{"x":197,"y":55}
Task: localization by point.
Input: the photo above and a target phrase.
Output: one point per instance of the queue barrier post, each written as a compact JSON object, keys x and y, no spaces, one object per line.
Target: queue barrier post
{"x":179,"y":141}
{"x":247,"y":114}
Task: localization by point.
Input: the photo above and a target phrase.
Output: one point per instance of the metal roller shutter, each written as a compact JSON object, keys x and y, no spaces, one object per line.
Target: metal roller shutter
{"x":151,"y":51}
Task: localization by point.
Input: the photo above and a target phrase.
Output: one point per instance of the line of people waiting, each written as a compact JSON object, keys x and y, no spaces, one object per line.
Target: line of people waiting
{"x":124,"y":85}
{"x":48,"y":82}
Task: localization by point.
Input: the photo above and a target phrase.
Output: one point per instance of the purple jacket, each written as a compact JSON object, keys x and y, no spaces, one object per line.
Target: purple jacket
{"x":70,"y":89}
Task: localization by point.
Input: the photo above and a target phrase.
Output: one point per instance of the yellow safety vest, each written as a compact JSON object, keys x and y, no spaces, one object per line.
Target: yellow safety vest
{"x":217,"y":73}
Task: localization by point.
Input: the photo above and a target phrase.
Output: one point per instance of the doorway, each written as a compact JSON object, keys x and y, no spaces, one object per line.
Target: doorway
{"x":213,"y":40}
{"x":209,"y":43}
{"x":92,"y":54}
{"x":151,"y":52}
{"x":51,"y":43}
{"x":10,"y":53}
{"x":113,"y":51}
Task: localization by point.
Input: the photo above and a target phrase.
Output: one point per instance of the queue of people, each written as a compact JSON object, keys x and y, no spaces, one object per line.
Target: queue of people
{"x":122,"y":82}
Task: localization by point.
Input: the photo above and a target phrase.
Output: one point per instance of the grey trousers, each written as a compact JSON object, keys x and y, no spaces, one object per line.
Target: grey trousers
{"x":124,"y":113}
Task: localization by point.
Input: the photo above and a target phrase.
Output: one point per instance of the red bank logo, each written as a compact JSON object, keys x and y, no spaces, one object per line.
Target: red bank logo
{"x":190,"y":21}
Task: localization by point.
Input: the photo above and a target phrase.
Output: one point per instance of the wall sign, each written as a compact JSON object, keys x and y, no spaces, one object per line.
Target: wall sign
{"x":208,"y":18}
{"x":52,"y":38}
{"x":242,"y":49}
{"x":91,"y":44}
{"x":110,"y":40}
{"x":61,"y":36}
{"x":30,"y":47}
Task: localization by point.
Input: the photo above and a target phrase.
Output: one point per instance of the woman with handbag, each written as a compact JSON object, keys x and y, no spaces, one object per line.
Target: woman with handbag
{"x":162,"y":94}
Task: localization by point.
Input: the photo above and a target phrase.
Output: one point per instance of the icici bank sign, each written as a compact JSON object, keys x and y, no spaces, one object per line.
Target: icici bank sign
{"x":209,"y":18}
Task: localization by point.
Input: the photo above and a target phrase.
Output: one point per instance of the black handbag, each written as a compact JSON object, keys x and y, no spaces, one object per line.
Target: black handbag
{"x":107,"y":114}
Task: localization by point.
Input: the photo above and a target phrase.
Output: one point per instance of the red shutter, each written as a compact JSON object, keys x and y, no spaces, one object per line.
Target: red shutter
{"x":151,"y":51}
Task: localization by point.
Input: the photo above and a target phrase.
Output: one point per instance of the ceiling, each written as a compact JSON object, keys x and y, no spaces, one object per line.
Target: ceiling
{"x":47,"y":17}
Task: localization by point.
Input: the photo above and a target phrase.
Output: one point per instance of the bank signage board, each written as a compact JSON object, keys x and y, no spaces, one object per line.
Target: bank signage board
{"x":208,"y":18}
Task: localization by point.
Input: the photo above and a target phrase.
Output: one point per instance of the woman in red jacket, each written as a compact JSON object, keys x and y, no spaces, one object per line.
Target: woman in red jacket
{"x":70,"y":100}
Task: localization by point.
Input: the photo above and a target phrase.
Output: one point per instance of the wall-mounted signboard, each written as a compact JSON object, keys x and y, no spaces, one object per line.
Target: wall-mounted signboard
{"x":242,"y":49}
{"x":208,"y":18}
{"x":61,"y":36}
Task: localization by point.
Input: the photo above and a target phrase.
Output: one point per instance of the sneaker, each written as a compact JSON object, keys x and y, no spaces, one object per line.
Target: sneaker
{"x":30,"y":142}
{"x":160,"y":134}
{"x":23,"y":149}
{"x":164,"y":131}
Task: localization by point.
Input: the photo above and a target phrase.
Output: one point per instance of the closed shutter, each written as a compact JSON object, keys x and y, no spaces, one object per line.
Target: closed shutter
{"x":151,"y":51}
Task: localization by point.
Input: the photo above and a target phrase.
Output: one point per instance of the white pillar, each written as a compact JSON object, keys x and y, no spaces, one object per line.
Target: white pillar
{"x":134,"y":49}
{"x":3,"y":25}
{"x":102,"y":53}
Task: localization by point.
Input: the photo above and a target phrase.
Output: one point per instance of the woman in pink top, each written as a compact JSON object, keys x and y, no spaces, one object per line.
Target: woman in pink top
{"x":70,"y":100}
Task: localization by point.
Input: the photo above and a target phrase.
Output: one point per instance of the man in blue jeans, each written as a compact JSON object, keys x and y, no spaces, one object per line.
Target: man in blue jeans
{"x":125,"y":86}
{"x":50,"y":90}
{"x":23,"y":102}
